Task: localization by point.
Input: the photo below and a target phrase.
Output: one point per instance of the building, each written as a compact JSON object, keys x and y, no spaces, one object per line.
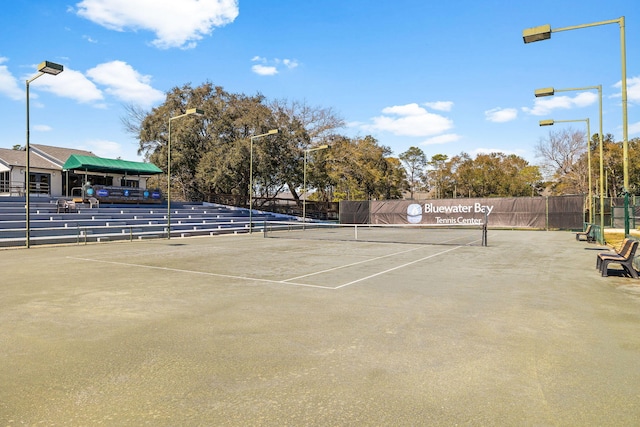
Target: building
{"x":65,"y":172}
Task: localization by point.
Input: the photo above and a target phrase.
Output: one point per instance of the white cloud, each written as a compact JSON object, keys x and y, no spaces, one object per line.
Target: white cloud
{"x":264,"y":70}
{"x":42,"y":128}
{"x":440,"y":105}
{"x":103,"y":148}
{"x":9,"y":84}
{"x":290,"y":63}
{"x":405,"y":110}
{"x":175,"y":23}
{"x":270,"y":67}
{"x":633,"y":89}
{"x":584,"y":99}
{"x":125,"y":83}
{"x":501,"y":115}
{"x":70,"y":84}
{"x":634,"y":128}
{"x":442,"y":139}
{"x":410,"y":120}
{"x":546,"y":105}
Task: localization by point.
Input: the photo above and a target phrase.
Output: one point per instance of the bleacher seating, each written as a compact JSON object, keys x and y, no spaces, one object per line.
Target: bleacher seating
{"x":118,"y":222}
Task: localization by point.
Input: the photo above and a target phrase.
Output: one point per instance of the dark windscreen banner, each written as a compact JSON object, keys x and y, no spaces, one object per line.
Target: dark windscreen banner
{"x":566,"y":212}
{"x":355,"y":212}
{"x":528,"y":212}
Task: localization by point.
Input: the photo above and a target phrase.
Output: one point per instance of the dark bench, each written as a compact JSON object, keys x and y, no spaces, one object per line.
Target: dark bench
{"x":586,"y":235}
{"x":624,"y":257}
{"x":613,"y":252}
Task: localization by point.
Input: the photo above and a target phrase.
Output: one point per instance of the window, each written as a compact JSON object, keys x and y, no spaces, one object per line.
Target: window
{"x":129,"y":183}
{"x":4,"y":182}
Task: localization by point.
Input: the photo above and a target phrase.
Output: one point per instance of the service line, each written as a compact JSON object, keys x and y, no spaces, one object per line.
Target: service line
{"x":352,"y":264}
{"x":396,"y":268}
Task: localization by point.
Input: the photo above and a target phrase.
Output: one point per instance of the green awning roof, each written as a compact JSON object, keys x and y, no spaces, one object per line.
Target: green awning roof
{"x":99,"y":164}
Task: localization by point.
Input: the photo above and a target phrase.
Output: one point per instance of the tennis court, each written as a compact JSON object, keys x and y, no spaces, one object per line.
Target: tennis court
{"x":248,"y":330}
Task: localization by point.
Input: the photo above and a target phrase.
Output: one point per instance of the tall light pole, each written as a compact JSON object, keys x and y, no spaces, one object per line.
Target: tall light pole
{"x":271,"y":132}
{"x":543,"y":32}
{"x":551,"y":123}
{"x":54,"y":69}
{"x":189,"y":112}
{"x":304,"y":180}
{"x":551,"y":91}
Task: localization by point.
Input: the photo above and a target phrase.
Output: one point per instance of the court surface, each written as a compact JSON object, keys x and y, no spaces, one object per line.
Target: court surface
{"x":243,"y":330}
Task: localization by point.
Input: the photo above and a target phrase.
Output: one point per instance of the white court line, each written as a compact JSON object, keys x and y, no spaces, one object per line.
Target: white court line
{"x":281,"y":282}
{"x":352,"y":264}
{"x":202,"y":273}
{"x":396,"y":268}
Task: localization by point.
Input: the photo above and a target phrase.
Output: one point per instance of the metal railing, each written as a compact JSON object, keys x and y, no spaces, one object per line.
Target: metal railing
{"x":79,"y":234}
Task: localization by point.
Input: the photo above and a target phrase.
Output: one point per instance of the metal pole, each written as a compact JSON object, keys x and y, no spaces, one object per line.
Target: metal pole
{"x":589,"y":171}
{"x":28,"y":172}
{"x":625,"y":134}
{"x":304,"y":200}
{"x":602,"y":190}
{"x":271,"y":132}
{"x":169,"y":184}
{"x":43,"y":68}
{"x":251,"y":186}
{"x":190,"y":111}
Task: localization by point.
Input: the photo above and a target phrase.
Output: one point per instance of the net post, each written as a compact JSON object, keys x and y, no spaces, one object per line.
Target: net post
{"x":264,"y":229}
{"x":484,"y":228}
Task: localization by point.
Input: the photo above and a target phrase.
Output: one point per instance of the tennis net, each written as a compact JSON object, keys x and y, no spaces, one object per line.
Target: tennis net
{"x":430,"y":234}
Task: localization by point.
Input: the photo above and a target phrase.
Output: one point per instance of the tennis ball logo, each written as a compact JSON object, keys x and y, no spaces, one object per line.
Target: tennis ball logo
{"x":414,"y":213}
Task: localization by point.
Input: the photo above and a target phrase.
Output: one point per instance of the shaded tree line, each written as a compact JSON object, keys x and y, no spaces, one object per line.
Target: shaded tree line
{"x":213,"y":155}
{"x":487,"y":175}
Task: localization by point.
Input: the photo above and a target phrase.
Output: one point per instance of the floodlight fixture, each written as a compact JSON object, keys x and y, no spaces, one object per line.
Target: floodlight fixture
{"x":50,"y":68}
{"x":536,"y":34}
{"x":547,"y":91}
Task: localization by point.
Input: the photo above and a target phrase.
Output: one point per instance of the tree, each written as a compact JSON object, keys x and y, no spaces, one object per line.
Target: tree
{"x":560,"y":154}
{"x":307,"y":127}
{"x":361,"y":169}
{"x":221,"y":138}
{"x":488,"y":175}
{"x":414,"y":161}
{"x":437,"y":162}
{"x":212,"y":155}
{"x":531,"y":177}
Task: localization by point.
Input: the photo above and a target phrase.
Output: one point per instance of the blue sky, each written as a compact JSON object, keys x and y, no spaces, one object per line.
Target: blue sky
{"x":445,"y":76}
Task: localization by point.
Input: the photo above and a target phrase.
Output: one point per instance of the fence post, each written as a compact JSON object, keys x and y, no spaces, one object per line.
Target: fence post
{"x":546,"y":214}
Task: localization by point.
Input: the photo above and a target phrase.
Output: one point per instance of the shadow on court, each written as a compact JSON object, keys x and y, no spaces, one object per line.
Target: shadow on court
{"x":243,"y":330}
